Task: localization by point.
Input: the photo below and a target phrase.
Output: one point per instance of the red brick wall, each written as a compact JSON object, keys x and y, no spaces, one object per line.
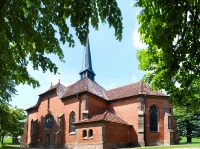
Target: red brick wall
{"x":31,"y":116}
{"x":96,"y":104}
{"x":161,"y":134}
{"x":115,"y":132}
{"x":24,"y":136}
{"x":56,"y":108}
{"x":70,"y":104}
{"x":127,"y":110}
{"x":97,"y":131}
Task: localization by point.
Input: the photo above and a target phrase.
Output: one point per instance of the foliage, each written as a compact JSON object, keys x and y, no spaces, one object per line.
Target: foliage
{"x":28,"y":28}
{"x":4,"y":114}
{"x":188,"y":123}
{"x":16,"y":123}
{"x":11,"y":122}
{"x":171,"y":30}
{"x":7,"y":90}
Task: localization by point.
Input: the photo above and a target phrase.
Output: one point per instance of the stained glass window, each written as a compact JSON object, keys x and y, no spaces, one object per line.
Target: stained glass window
{"x":153,"y":119}
{"x":49,"y":121}
{"x":72,"y":120}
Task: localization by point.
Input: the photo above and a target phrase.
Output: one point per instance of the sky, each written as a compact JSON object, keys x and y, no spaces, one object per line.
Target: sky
{"x":114,"y":63}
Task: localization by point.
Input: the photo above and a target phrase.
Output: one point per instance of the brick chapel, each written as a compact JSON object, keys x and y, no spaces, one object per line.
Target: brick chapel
{"x":85,"y":115}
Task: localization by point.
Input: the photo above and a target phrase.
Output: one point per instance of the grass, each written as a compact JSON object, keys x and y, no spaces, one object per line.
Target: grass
{"x":6,"y":144}
{"x":183,"y":144}
{"x":194,"y":140}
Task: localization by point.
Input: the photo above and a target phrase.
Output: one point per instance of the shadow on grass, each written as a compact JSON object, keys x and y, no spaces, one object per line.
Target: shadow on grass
{"x":9,"y":147}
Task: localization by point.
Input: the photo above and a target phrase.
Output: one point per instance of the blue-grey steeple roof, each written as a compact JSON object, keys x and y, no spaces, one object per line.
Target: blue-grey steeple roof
{"x":87,"y":71}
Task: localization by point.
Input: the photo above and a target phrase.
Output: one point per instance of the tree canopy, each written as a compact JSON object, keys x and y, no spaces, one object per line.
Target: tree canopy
{"x":11,"y":122}
{"x":171,"y":31}
{"x":188,"y":123}
{"x":27,"y":33}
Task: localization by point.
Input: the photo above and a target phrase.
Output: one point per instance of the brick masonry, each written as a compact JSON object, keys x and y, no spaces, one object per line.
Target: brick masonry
{"x":103,"y":132}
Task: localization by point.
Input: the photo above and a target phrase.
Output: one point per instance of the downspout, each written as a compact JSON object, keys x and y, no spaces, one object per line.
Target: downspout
{"x":145,"y":97}
{"x":27,"y":129}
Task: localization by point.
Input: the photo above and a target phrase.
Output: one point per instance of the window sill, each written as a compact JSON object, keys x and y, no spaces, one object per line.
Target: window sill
{"x":72,"y":133}
{"x":86,"y":138}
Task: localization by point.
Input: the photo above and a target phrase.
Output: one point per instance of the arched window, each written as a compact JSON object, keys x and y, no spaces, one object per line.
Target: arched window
{"x":84,"y":133}
{"x":32,"y":127}
{"x":72,"y":118}
{"x":90,"y":133}
{"x":153,"y":119}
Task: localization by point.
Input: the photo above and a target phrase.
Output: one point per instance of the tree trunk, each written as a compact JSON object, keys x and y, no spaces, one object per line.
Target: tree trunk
{"x":189,"y":132}
{"x":189,"y":139}
{"x":15,"y":140}
{"x":2,"y":140}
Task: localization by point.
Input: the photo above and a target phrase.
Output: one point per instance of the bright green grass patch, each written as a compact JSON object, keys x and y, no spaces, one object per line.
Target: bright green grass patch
{"x":6,"y":143}
{"x":183,"y":144}
{"x":184,"y":140}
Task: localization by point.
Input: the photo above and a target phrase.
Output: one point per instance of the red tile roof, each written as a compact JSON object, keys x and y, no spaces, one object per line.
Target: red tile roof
{"x":85,"y":85}
{"x":131,"y":90}
{"x":60,"y":89}
{"x":94,"y":88}
{"x":104,"y":115}
{"x":31,"y":108}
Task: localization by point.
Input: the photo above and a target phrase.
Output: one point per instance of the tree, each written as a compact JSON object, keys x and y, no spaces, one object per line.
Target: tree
{"x":11,"y":122}
{"x":188,"y":123}
{"x":4,"y":114}
{"x":27,"y":32}
{"x":171,"y":31}
{"x":16,"y":123}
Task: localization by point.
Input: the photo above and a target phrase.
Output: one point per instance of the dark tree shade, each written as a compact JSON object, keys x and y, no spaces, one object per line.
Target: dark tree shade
{"x":171,"y":31}
{"x":27,"y":32}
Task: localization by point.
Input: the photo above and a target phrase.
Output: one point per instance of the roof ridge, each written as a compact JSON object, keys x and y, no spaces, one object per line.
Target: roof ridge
{"x":102,"y":111}
{"x":97,"y":84}
{"x":123,"y":86}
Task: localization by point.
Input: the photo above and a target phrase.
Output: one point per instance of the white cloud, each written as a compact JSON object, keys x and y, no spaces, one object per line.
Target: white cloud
{"x":136,"y":40}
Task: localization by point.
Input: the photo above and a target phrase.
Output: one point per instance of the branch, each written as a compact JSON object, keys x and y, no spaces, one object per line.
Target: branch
{"x":184,"y":29}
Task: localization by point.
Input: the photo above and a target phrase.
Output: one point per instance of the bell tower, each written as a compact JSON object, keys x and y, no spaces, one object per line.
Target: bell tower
{"x":87,"y":71}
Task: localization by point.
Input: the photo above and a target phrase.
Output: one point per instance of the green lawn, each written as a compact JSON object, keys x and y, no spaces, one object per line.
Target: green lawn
{"x":194,"y":140}
{"x":6,"y":143}
{"x":183,"y":144}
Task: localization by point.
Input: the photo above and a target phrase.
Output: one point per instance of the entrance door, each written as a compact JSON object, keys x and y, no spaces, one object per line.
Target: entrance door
{"x":47,"y":140}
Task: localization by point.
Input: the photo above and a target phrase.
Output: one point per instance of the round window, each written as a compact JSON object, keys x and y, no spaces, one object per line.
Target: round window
{"x":49,"y":121}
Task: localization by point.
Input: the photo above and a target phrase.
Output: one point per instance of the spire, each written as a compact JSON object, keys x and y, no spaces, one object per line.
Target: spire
{"x":87,"y":71}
